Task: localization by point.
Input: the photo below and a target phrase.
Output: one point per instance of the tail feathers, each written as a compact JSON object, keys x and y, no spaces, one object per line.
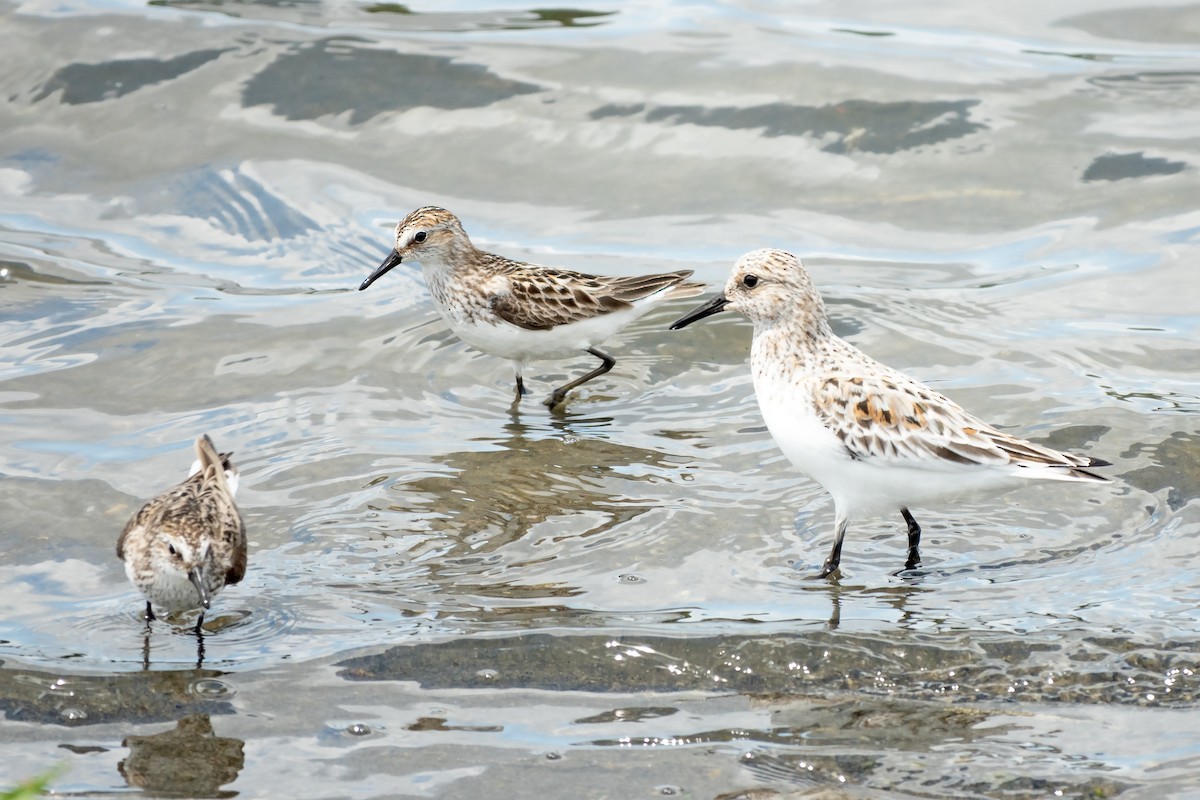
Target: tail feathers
{"x":215,"y":466}
{"x":687,"y":289}
{"x":1063,"y":472}
{"x":1083,"y":474}
{"x":1036,"y":460}
{"x":666,"y":284}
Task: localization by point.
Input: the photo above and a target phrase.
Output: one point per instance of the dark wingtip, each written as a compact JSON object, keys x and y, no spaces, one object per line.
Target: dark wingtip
{"x":1079,"y":471}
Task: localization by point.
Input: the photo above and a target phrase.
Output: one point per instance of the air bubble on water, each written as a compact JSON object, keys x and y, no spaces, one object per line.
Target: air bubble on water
{"x":211,"y":687}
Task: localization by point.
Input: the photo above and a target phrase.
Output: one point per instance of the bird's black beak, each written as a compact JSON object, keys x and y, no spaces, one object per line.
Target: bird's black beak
{"x":392,"y":260}
{"x":196,"y":576}
{"x":718,"y":303}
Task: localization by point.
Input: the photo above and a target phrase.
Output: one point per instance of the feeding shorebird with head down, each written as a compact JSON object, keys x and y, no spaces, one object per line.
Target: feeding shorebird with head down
{"x":188,"y":543}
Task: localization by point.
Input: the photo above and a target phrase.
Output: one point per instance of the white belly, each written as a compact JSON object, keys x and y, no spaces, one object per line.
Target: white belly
{"x":861,"y":487}
{"x":521,"y":344}
{"x":807,"y":443}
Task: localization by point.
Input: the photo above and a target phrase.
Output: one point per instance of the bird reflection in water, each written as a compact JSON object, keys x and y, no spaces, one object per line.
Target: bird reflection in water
{"x":555,"y":479}
{"x":188,"y":761}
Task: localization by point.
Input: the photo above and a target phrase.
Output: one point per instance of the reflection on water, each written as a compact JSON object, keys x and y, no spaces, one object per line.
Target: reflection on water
{"x":336,"y":76}
{"x":146,"y":646}
{"x":459,"y":18}
{"x":190,"y":760}
{"x":1119,"y":166}
{"x":532,"y":502}
{"x":968,"y":763}
{"x":491,"y":498}
{"x":865,"y":125}
{"x":93,"y":83}
{"x":1175,"y":471}
{"x":61,"y":698}
{"x":818,"y":663}
{"x":1001,"y":202}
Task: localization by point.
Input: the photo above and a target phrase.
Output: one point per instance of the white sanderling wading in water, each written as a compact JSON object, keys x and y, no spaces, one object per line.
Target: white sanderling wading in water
{"x":874,"y":438}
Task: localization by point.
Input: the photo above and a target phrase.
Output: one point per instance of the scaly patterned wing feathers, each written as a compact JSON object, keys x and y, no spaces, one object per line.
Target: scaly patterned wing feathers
{"x":892,"y":418}
{"x":233,"y":530}
{"x":548,"y":298}
{"x":204,"y":497}
{"x":134,"y":522}
{"x":215,"y":496}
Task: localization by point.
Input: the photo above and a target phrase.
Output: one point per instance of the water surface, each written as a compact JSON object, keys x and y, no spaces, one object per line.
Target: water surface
{"x":449,"y":599}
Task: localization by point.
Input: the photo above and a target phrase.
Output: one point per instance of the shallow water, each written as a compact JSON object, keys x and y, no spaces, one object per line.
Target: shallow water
{"x":449,"y":599}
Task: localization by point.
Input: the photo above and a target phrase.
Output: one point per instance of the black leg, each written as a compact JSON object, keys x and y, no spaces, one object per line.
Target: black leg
{"x":835,"y":553}
{"x":606,"y":363}
{"x":914,"y":540}
{"x":521,"y":390}
{"x":149,"y":612}
{"x":200,"y":624}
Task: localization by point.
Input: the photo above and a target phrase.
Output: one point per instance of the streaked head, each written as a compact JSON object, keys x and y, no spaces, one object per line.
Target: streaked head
{"x":184,"y":557}
{"x":767,"y":286}
{"x":429,"y":234}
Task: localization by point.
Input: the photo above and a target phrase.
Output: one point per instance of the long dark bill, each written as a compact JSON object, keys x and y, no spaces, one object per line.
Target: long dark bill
{"x":196,"y":576}
{"x":713,"y":306}
{"x":392,"y":260}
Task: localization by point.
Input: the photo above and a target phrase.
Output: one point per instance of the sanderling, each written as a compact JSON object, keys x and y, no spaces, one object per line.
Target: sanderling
{"x":523,"y":311}
{"x":875,"y":438}
{"x":188,"y":543}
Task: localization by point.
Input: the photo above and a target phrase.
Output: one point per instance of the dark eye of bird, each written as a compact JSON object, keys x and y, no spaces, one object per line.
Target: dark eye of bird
{"x":750,"y":281}
{"x":171,"y":549}
{"x":420,"y":237}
